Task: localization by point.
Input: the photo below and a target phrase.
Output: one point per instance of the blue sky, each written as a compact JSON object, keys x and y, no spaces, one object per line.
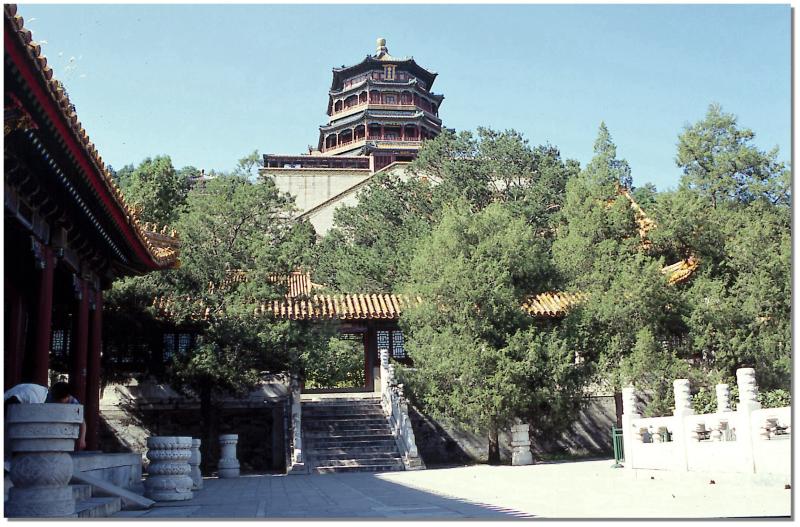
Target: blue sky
{"x":207,"y":84}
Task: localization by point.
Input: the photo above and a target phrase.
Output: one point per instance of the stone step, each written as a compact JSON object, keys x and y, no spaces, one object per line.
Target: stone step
{"x":342,"y":413}
{"x":361,"y":468}
{"x":341,"y":407}
{"x":98,"y":507}
{"x":81,"y":492}
{"x":340,"y":420}
{"x":348,"y":455}
{"x":344,"y":417}
{"x":352,"y":451}
{"x":340,"y":432}
{"x":357,"y":462}
{"x":386,"y":441}
{"x":343,"y":402}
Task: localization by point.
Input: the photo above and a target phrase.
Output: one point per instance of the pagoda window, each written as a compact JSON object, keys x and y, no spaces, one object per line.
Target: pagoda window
{"x":362,"y":97}
{"x":337,"y":107}
{"x":345,"y":137}
{"x":375,"y":96}
{"x":389,"y":99}
{"x":359,"y":132}
{"x":351,"y":101}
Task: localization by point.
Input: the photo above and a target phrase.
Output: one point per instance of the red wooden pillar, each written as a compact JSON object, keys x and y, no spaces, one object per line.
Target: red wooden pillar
{"x":381,"y":131}
{"x":15,"y":338}
{"x":403,"y":132}
{"x":77,"y":374}
{"x":44,"y":318}
{"x":92,"y":403}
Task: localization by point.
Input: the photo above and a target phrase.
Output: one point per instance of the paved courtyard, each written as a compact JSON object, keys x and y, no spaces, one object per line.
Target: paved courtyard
{"x":586,"y":489}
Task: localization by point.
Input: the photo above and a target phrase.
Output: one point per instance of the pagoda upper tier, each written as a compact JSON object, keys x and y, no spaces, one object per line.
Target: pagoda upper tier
{"x":382,"y":105}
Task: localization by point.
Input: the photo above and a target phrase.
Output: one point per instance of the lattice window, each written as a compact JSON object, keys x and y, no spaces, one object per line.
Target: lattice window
{"x":184,"y":342}
{"x":61,"y":342}
{"x":398,"y":349}
{"x":383,"y":340}
{"x":169,"y":345}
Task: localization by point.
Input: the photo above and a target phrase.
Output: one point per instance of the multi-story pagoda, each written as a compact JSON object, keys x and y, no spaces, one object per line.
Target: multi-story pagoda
{"x":382,"y":106}
{"x":380,"y":111}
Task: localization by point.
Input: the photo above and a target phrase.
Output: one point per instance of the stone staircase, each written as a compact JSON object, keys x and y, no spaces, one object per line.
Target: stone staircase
{"x":89,"y":506}
{"x":348,"y":433}
{"x":87,"y":503}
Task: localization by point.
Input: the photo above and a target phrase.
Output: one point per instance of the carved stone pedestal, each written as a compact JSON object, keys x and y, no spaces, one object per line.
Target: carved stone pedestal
{"x":521,"y":445}
{"x":41,"y":437}
{"x":228,"y":464}
{"x":169,"y":470}
{"x":194,"y":463}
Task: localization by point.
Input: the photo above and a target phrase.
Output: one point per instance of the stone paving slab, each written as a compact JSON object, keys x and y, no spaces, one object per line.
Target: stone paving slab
{"x":588,"y":489}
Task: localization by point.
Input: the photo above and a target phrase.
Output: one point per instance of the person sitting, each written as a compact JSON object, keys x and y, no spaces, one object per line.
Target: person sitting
{"x":26,"y":393}
{"x":59,"y":393}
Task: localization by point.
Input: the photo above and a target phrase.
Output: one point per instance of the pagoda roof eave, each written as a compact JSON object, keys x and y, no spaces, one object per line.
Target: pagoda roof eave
{"x":370,"y":61}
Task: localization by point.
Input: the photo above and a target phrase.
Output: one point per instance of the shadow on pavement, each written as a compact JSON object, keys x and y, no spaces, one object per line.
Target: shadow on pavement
{"x":326,"y":496}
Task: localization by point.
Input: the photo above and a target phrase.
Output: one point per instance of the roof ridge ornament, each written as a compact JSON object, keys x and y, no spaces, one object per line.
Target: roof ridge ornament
{"x":381,"y":47}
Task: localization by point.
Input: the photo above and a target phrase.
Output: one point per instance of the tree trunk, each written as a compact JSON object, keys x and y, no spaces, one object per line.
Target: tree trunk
{"x":494,"y":446}
{"x":618,"y":407}
{"x":205,"y":417}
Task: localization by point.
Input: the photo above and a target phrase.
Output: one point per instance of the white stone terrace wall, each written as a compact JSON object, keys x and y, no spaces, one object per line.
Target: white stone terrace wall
{"x":750,"y":440}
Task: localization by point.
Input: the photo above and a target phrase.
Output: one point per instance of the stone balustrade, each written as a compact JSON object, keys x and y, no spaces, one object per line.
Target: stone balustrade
{"x":395,"y":407}
{"x":296,"y":447}
{"x":228,"y":464}
{"x":41,"y":437}
{"x":751,"y":440}
{"x":168,"y":474}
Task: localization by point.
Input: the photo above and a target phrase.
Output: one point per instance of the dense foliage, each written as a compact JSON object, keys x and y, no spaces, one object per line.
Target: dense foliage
{"x":424,"y":234}
{"x":234,"y":233}
{"x":478,"y":223}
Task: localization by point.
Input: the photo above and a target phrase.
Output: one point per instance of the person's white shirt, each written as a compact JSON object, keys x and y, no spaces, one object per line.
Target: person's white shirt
{"x":27,"y":393}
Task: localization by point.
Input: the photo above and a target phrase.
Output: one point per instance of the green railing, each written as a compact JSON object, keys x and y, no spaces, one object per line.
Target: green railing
{"x":619,"y":452}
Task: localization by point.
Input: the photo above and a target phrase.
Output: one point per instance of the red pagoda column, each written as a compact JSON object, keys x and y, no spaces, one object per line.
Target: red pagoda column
{"x":92,"y":403}
{"x":44,"y":314}
{"x":77,"y":375}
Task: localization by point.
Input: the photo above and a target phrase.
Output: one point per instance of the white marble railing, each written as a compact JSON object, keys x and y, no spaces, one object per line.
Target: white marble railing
{"x":395,"y":407}
{"x":296,"y":458}
{"x":748,"y":440}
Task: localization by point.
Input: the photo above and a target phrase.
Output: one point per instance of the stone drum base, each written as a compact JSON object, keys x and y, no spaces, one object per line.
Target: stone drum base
{"x":169,"y":470}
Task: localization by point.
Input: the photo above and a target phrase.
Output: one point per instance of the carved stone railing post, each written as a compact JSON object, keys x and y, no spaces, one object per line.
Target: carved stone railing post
{"x":41,"y":435}
{"x":297,"y":458}
{"x":748,"y":402}
{"x":748,"y":389}
{"x":194,"y":463}
{"x":228,"y":464}
{"x":681,"y":433}
{"x":395,"y":407}
{"x":521,"y":444}
{"x":168,"y":475}
{"x":631,"y":437}
{"x":723,"y":398}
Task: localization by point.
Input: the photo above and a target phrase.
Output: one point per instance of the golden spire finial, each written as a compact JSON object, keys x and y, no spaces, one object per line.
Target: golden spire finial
{"x":382,"y":46}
